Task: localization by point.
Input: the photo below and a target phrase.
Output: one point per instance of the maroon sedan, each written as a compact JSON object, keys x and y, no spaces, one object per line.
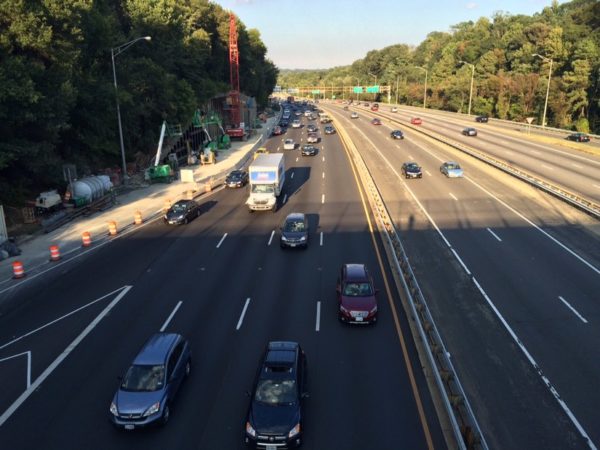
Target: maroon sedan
{"x":356,"y":295}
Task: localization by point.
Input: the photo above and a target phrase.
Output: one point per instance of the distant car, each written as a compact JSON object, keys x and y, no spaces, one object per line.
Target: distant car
{"x":394,"y":109}
{"x":366,"y":103}
{"x":307,"y":113}
{"x":289,"y":144}
{"x":325,"y":119}
{"x":311,"y":128}
{"x":481,"y":119}
{"x":451,"y":169}
{"x":236,"y":179}
{"x":275,"y":418}
{"x":329,"y":130}
{"x":147,"y":390}
{"x":397,"y":134}
{"x":297,"y":113}
{"x":356,"y":295}
{"x":376,"y":121}
{"x":309,"y":150}
{"x":277,"y":130}
{"x":375,"y":107}
{"x":411,"y":170}
{"x":294,"y":231}
{"x":354,"y":115}
{"x":312,"y":138}
{"x":182,"y":212}
{"x":469,"y":132}
{"x":260,"y":151}
{"x":296,"y":124}
{"x":416,"y":121}
{"x":346,"y":108}
{"x":578,"y":137}
{"x":283,"y":123}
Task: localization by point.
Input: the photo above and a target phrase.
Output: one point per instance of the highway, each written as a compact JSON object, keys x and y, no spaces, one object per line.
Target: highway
{"x":223,"y":282}
{"x":536,"y":259}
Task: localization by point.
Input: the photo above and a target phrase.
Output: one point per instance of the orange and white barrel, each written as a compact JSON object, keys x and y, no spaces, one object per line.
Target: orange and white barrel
{"x":54,"y":253}
{"x":86,"y":239}
{"x":112,"y":228}
{"x":167,"y":205}
{"x":137,"y":218}
{"x":18,"y":269}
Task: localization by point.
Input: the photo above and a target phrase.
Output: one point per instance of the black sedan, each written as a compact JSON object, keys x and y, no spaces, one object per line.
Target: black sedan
{"x":236,"y":179}
{"x":311,"y":128}
{"x":578,"y":137}
{"x":376,"y":121}
{"x":397,"y":134}
{"x":481,"y":119}
{"x":329,"y":130}
{"x":275,"y":415}
{"x":469,"y":132}
{"x":309,"y":150}
{"x":411,"y":170}
{"x":182,"y":212}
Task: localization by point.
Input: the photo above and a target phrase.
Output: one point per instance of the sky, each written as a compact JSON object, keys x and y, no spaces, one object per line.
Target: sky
{"x":320,"y":34}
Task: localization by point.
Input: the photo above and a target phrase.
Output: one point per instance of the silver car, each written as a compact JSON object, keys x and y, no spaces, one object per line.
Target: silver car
{"x":451,"y":169}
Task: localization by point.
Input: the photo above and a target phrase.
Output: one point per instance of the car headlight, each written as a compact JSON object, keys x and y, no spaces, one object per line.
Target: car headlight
{"x":302,"y":238}
{"x":283,"y":238}
{"x":152,"y":410}
{"x":344,"y":310}
{"x":294,"y":431}
{"x":251,"y":431}
{"x":374,"y":310}
{"x":113,"y":409}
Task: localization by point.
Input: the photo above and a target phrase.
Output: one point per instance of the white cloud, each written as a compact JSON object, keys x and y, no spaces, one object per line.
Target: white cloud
{"x":471,"y":5}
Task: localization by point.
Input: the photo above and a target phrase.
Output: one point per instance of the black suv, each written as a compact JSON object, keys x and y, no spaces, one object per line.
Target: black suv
{"x":274,"y":418}
{"x":481,"y":119}
{"x":411,"y":170}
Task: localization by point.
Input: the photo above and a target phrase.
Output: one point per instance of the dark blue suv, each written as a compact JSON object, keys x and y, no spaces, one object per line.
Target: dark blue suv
{"x":151,"y":382}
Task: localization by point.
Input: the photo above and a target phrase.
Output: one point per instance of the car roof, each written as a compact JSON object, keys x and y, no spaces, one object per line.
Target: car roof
{"x":356,"y":272}
{"x":295,"y":216}
{"x":156,"y":349}
{"x":281,"y":353}
{"x":183,"y":202}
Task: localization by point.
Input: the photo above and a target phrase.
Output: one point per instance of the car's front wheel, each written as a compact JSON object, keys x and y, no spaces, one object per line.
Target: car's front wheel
{"x":166,"y":415}
{"x":188,"y":368}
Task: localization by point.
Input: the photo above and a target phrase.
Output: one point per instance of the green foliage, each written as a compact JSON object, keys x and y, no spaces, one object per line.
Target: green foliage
{"x":509,"y":81}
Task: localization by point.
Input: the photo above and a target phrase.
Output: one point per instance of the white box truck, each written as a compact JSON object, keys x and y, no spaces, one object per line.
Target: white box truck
{"x":267,"y":175}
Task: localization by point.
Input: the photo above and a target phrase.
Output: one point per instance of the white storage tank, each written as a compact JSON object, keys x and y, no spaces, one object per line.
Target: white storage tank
{"x":91,"y":188}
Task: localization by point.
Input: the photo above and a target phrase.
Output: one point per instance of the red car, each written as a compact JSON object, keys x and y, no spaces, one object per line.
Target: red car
{"x":277,"y":131}
{"x":356,"y":295}
{"x":416,"y":121}
{"x":376,"y":121}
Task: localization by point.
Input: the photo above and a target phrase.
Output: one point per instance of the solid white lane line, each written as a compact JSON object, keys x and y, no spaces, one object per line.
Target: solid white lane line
{"x":166,"y":324}
{"x":535,"y":152}
{"x":239,"y":324}
{"x":537,"y":368}
{"x":222,"y":239}
{"x":321,"y":239}
{"x":546,"y":166}
{"x":284,"y":198}
{"x":572,"y":309}
{"x":318,"y":320}
{"x":66,"y":352}
{"x":271,"y":238}
{"x":453,"y":196}
{"x":323,"y":198}
{"x":460,"y":261}
{"x":494,"y":234}
{"x":292,"y":175}
{"x":579,"y":166}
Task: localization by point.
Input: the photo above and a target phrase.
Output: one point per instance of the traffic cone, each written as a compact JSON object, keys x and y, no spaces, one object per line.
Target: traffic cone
{"x":137,"y":218}
{"x":18,"y":270}
{"x":167,"y":205}
{"x":54,"y":253}
{"x":86,"y":239}
{"x":112,"y":228}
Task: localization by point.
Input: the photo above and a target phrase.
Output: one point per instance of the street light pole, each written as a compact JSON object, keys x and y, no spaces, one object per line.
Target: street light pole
{"x":116,"y":51}
{"x":424,"y":90}
{"x":547,"y":87}
{"x":471,"y":90}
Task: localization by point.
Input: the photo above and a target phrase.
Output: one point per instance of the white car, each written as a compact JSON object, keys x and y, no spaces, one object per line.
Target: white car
{"x":394,"y":109}
{"x":307,"y":113}
{"x":296,"y":124}
{"x":312,"y":138}
{"x":289,"y":144}
{"x":354,"y":115}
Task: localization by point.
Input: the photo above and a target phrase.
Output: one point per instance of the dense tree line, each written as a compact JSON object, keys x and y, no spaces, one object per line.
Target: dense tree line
{"x":509,"y":82}
{"x":57,"y":99}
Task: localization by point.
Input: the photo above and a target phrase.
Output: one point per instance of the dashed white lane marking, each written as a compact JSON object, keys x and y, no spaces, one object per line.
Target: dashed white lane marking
{"x":318,"y":319}
{"x":297,"y":159}
{"x":292,"y":175}
{"x":168,"y":321}
{"x":222,"y":239}
{"x":546,"y":166}
{"x":271,"y":238}
{"x":427,"y":172}
{"x":535,"y":152}
{"x":321,"y":239}
{"x":453,"y":196}
{"x":323,"y":198}
{"x":239,"y":324}
{"x":579,"y":166}
{"x":494,"y":234}
{"x":410,"y":157}
{"x":323,"y":175}
{"x":596,"y":185}
{"x":284,"y":198}
{"x":323,"y":159}
{"x":572,"y":309}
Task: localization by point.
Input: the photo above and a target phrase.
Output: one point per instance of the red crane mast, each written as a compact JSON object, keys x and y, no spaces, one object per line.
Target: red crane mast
{"x":234,"y":75}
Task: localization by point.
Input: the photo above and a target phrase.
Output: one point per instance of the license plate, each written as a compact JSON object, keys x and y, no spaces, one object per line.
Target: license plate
{"x":359,"y":319}
{"x":271,"y":447}
{"x":129,"y":427}
{"x":292,"y":245}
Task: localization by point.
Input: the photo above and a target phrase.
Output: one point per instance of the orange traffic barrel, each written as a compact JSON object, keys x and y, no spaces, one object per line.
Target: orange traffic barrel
{"x":137,"y":218}
{"x":18,"y":270}
{"x":190,"y":194}
{"x":208,"y":187}
{"x":86,"y":239}
{"x":167,"y":205}
{"x":112,"y":228}
{"x":54,"y":253}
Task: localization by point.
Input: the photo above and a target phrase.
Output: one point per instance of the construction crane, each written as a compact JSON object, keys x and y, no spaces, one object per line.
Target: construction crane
{"x":236,"y":129}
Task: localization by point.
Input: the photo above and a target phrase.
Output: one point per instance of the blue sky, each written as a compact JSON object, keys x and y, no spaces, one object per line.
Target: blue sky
{"x":318,"y":34}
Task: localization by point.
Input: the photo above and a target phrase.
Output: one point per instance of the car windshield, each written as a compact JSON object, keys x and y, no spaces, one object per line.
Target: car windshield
{"x":144,"y":378}
{"x":235,"y":175}
{"x":262,"y":188}
{"x":294,"y":226}
{"x":412,"y":166}
{"x":358,"y":289}
{"x":179,"y":207}
{"x":452,"y":166}
{"x":276,"y":392}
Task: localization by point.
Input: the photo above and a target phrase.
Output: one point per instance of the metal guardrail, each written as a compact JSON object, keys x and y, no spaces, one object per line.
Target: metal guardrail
{"x":465,"y":428}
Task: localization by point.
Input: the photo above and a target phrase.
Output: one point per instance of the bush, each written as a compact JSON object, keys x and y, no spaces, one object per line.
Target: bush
{"x":582,"y":125}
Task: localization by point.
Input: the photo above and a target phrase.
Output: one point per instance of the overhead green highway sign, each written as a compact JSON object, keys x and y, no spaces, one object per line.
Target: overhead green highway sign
{"x":373,"y":89}
{"x":358,"y":90}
